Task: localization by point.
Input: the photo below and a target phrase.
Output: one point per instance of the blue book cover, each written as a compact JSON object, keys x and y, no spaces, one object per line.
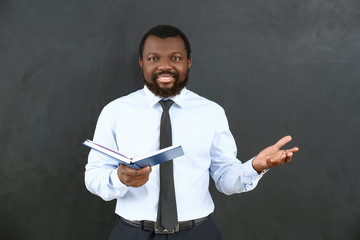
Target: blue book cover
{"x":151,"y":159}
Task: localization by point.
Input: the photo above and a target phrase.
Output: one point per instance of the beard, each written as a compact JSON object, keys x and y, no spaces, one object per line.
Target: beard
{"x":166,"y":92}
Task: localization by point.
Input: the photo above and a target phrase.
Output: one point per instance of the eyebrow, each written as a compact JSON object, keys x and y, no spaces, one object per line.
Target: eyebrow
{"x":155,"y":53}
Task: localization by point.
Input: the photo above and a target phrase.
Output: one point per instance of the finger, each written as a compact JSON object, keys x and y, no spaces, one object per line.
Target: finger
{"x":127,"y":170}
{"x":142,"y":171}
{"x":283,"y":141}
{"x":288,"y":157}
{"x":278,"y":158}
{"x":147,"y":169}
{"x":293,"y":150}
{"x":133,"y":173}
{"x":139,"y":183}
{"x":133,"y":178}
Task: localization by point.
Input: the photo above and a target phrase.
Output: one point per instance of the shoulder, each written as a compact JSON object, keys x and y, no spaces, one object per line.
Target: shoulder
{"x":129,"y":100}
{"x":125,"y":103}
{"x":195,"y":100}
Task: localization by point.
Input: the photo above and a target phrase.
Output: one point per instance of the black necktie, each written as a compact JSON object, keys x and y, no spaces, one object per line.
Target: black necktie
{"x":167,"y":213}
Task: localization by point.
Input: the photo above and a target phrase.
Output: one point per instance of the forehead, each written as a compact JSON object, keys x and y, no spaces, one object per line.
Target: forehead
{"x":158,"y":45}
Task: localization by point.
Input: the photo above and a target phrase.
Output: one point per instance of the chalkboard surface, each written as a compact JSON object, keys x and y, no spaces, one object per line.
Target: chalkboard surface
{"x":277,"y":67}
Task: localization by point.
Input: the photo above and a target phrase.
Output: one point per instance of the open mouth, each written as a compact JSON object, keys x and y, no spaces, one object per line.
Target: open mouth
{"x":165,"y":78}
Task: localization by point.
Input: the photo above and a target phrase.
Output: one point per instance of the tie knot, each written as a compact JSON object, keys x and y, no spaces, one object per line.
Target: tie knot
{"x":166,"y":104}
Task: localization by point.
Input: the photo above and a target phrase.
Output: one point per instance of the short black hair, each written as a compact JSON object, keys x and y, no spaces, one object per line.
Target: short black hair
{"x":165,"y":31}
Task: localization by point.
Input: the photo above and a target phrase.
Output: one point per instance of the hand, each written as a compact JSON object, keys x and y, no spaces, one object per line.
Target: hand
{"x":272,"y":156}
{"x":133,"y":177}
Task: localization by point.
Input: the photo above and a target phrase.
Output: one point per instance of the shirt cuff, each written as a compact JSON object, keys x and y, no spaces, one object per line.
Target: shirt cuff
{"x":116,"y":183}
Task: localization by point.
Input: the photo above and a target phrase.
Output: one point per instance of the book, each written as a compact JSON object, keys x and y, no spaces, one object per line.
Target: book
{"x":150,"y":159}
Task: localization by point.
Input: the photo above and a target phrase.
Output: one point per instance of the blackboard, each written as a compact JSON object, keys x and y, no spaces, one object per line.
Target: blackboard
{"x":277,"y":67}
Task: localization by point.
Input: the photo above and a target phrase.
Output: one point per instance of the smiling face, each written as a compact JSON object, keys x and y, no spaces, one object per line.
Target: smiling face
{"x":165,"y":65}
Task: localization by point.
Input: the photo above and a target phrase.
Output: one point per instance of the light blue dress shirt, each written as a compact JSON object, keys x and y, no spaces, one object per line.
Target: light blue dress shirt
{"x":131,"y":125}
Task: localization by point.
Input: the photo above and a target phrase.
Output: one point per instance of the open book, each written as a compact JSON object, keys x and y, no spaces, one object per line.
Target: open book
{"x":151,"y":159}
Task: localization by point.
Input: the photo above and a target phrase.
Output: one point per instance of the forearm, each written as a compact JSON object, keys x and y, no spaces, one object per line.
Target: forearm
{"x":238,"y":178}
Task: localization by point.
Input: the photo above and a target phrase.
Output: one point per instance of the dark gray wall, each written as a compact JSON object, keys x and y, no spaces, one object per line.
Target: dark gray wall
{"x":277,"y":67}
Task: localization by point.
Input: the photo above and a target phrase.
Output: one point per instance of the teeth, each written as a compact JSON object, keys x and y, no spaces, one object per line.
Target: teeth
{"x":165,"y":79}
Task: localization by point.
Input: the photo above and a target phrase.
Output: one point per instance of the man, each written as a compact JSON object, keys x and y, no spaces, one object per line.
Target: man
{"x":132,"y":125}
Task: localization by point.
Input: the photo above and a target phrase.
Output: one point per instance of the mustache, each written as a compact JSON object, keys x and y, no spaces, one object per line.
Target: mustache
{"x":169,"y":72}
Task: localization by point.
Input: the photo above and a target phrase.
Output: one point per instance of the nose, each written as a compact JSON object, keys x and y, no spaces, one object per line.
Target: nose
{"x":165,"y":64}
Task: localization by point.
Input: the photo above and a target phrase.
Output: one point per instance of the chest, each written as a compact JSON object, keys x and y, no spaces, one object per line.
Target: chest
{"x":139,"y":133}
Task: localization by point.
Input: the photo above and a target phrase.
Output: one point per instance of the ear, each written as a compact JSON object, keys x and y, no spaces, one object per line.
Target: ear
{"x":140,"y":62}
{"x":189,"y":62}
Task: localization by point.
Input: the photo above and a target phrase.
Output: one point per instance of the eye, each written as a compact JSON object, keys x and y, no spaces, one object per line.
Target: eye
{"x":176,"y":58}
{"x":152,"y":59}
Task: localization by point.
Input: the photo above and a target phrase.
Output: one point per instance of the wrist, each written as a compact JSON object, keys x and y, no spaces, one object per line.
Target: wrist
{"x":257,"y":168}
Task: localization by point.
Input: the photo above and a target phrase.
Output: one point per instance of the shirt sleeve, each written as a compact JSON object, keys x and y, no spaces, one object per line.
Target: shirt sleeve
{"x":230,"y":175}
{"x":101,"y":171}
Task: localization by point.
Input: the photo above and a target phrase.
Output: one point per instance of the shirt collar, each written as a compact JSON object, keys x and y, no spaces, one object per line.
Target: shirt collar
{"x":153,"y":99}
